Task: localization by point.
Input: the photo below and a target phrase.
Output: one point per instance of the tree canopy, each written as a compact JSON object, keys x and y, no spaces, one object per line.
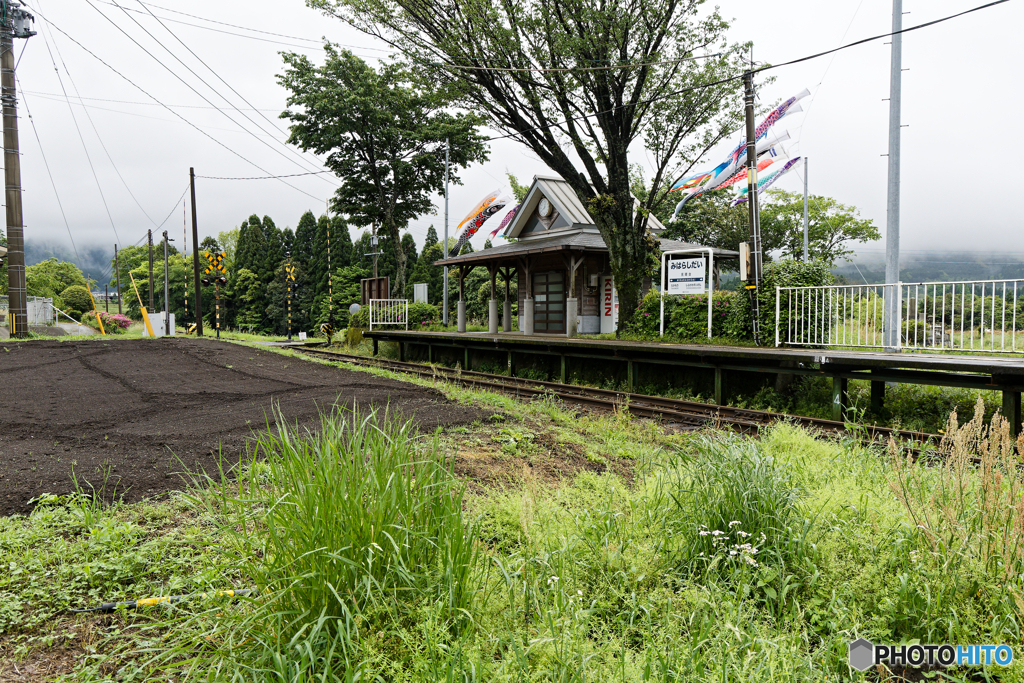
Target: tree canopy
{"x":383,"y":131}
{"x":581,"y":83}
{"x":831,"y":226}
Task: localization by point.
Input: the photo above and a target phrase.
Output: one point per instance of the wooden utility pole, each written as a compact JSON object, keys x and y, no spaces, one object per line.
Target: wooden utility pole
{"x":195,"y":257}
{"x":167,"y":291}
{"x":15,"y":23}
{"x":117,"y":274}
{"x":151,"y":307}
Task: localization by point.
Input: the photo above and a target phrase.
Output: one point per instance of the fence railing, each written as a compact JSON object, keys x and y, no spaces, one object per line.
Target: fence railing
{"x":980,"y":315}
{"x":389,"y":312}
{"x":40,"y":310}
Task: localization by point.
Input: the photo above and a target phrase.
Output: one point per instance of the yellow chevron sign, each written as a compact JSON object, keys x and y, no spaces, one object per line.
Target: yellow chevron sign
{"x":215,"y":262}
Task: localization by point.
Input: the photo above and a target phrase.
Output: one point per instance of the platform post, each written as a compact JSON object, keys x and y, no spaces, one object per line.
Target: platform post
{"x":719,"y":386}
{"x":877,"y":396}
{"x":375,"y":349}
{"x":561,"y":373}
{"x":839,"y":397}
{"x":511,"y":365}
{"x":401,"y":352}
{"x":465,"y":358}
{"x":1011,"y":410}
{"x":430,"y":353}
{"x":630,"y":376}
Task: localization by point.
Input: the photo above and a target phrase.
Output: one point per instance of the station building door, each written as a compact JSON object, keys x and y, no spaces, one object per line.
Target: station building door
{"x":549,"y":302}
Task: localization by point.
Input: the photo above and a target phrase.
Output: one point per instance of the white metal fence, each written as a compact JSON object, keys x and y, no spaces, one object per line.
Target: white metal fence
{"x":389,"y":312}
{"x":981,"y":315}
{"x":40,"y":310}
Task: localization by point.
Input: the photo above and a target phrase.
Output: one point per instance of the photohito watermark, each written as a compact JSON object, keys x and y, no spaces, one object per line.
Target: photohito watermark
{"x":864,"y":654}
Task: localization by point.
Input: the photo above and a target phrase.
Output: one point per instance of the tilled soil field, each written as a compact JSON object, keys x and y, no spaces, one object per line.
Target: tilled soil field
{"x":134,"y":416}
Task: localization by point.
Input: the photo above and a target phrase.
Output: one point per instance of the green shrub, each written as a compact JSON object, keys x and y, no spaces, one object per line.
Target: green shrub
{"x":686,"y":317}
{"x":77,"y":298}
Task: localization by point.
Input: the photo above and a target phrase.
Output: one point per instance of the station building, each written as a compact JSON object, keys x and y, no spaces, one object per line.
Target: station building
{"x":562,"y":266}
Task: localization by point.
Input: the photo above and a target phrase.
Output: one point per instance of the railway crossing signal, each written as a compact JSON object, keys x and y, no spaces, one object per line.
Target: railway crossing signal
{"x":328,"y":331}
{"x":217,"y":282}
{"x":215,"y":263}
{"x":290,"y":284}
{"x":191,"y":329}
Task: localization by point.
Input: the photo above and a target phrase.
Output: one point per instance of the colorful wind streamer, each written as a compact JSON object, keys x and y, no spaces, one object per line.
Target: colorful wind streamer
{"x":767,"y":181}
{"x":505,"y":221}
{"x":487,"y":207}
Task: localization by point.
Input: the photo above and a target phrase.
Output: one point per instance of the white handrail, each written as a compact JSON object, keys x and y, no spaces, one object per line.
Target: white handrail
{"x":389,"y":312}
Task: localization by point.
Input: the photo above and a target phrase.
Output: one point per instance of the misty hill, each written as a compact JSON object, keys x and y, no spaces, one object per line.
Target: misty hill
{"x":93,"y":260}
{"x":939,"y":266}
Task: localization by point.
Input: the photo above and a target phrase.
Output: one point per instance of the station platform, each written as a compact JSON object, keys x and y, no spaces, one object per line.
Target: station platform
{"x":988,"y":372}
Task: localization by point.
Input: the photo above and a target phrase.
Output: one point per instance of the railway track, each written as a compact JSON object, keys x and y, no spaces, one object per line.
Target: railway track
{"x":674,"y":412}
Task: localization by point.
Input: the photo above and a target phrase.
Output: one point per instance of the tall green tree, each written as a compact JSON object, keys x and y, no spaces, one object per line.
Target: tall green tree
{"x":581,"y":83}
{"x":831,"y":226}
{"x":382,"y":131}
{"x":431,"y":237}
{"x":305,"y":235}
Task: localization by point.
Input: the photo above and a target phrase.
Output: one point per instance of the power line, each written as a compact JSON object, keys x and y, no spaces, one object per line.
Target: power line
{"x":146,"y":93}
{"x":183,"y":81}
{"x":262,"y":177}
{"x":141,"y":104}
{"x":60,"y":204}
{"x":240,"y":96}
{"x":82,"y":138}
{"x":99,"y":137}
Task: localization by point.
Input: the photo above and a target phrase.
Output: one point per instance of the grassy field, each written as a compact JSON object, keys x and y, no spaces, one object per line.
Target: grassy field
{"x":541,"y":544}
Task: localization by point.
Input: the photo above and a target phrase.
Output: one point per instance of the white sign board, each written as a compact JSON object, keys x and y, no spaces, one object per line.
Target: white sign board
{"x":687,"y":276}
{"x":302,"y":336}
{"x":609,"y":305}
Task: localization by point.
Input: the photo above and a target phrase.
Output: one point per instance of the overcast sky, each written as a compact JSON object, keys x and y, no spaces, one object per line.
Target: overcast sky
{"x":962,"y":96}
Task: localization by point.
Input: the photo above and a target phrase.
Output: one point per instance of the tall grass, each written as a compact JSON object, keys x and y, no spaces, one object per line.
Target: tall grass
{"x":347,"y":531}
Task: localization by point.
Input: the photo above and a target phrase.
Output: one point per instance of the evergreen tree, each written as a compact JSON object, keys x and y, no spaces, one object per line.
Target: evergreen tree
{"x":305,"y":235}
{"x":317,"y":269}
{"x":288,"y":242}
{"x":431,"y":237}
{"x":341,"y":237}
{"x":409,"y":247}
{"x":274,"y":253}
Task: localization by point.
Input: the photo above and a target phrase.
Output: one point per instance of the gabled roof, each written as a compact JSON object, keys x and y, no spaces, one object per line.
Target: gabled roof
{"x":565,"y":201}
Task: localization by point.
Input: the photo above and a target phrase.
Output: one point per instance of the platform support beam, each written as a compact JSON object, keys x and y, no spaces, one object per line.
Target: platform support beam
{"x":877,"y":396}
{"x":401,"y":352}
{"x":719,"y":386}
{"x":376,"y":348}
{"x":1011,"y":410}
{"x":562,"y":373}
{"x":465,"y":357}
{"x":630,"y":376}
{"x":430,"y":353}
{"x":511,"y":365}
{"x":839,"y":397}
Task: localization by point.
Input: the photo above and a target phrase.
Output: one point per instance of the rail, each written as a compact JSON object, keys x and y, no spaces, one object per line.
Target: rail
{"x":979,"y":315}
{"x":389,"y":312}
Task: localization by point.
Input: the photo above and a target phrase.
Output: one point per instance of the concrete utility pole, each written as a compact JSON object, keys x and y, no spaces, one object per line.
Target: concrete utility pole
{"x":752,"y":204}
{"x":195,"y":256}
{"x":15,"y":23}
{"x":117,"y":277}
{"x":444,"y":251}
{"x":151,"y":307}
{"x":892,"y":212}
{"x":807,"y":223}
{"x":167,"y":291}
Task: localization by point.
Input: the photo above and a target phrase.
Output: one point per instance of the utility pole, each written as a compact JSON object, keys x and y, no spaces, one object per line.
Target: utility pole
{"x":752,"y":203}
{"x":806,"y":219}
{"x":151,"y":307}
{"x":16,"y":23}
{"x":330,"y":278}
{"x":445,"y":250}
{"x":892,"y":212}
{"x":167,"y":291}
{"x":117,"y":276}
{"x":195,"y":257}
{"x":184,"y":254}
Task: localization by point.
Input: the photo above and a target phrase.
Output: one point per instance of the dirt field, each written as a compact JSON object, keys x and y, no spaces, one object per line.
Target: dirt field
{"x":146,"y":410}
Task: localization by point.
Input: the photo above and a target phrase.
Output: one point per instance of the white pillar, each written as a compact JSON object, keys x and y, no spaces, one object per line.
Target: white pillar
{"x":462,"y":316}
{"x":570,"y":317}
{"x":506,"y":317}
{"x":528,"y":316}
{"x":492,"y":316}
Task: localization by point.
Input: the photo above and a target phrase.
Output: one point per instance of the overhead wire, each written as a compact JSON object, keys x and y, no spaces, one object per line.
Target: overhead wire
{"x":99,"y":137}
{"x":273,"y":125}
{"x":147,"y":94}
{"x":46,"y":164}
{"x":189,"y":86}
{"x":81,"y":138}
{"x":141,"y":104}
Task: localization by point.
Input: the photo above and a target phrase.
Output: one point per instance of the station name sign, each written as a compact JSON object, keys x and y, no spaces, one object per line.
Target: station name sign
{"x":687,"y":276}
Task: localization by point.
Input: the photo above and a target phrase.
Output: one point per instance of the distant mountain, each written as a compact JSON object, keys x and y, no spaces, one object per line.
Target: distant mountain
{"x":950,"y":266}
{"x":94,"y":260}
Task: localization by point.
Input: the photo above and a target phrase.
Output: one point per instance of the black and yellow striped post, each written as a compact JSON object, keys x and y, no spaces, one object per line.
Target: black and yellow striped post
{"x":289,"y":282}
{"x":216,"y":264}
